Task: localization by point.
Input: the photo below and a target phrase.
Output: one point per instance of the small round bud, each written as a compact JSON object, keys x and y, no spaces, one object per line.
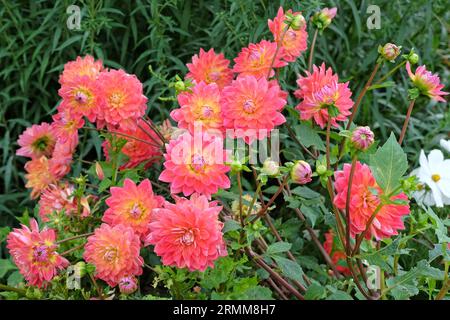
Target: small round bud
{"x":236,"y":166}
{"x":301,"y":172}
{"x":297,"y":22}
{"x":128,"y":285}
{"x":323,"y":18}
{"x":180,"y":86}
{"x":413,"y":58}
{"x":270,"y":167}
{"x":362,"y":138}
{"x":389,"y":51}
{"x":321,"y":169}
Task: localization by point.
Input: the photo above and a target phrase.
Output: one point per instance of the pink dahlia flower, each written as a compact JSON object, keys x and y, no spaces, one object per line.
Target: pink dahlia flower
{"x":195,"y":164}
{"x":294,"y":41}
{"x":57,"y":198}
{"x":65,"y":126}
{"x":252,"y":107}
{"x":62,"y":157}
{"x":201,"y":106}
{"x":79,"y":98}
{"x":364,"y":202}
{"x":188,"y":234}
{"x":319,"y":91}
{"x":132,"y":206}
{"x":337,"y":255}
{"x":210,"y":67}
{"x":37,"y":141}
{"x":143,"y":149}
{"x":362,"y":138}
{"x":114,"y":251}
{"x":38,"y":176}
{"x":34,"y":253}
{"x":256,"y":60}
{"x":120,"y":99}
{"x":81,"y":67}
{"x":427,"y":83}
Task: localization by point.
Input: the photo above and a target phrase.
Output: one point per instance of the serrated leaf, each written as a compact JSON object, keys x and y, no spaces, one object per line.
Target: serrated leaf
{"x":309,"y":137}
{"x":389,"y":164}
{"x":290,"y":268}
{"x":231,"y":225}
{"x":278,"y":247}
{"x":315,"y":292}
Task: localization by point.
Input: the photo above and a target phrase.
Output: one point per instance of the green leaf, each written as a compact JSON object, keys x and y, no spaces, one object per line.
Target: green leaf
{"x":15,"y":278}
{"x":312,"y":213}
{"x":305,"y":192}
{"x":290,"y":268}
{"x":315,"y":292}
{"x":339,"y":295}
{"x":389,"y":164}
{"x":5,"y":266}
{"x":278,"y":247}
{"x":309,"y":137}
{"x":259,"y":293}
{"x":231,"y":225}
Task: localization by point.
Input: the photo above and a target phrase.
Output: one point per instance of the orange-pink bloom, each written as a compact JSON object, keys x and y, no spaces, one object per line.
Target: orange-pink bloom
{"x":38,"y":176}
{"x":114,"y":251}
{"x":364,"y":201}
{"x":427,"y":83}
{"x":200,"y":106}
{"x":319,"y":91}
{"x":210,"y":67}
{"x":62,"y":157}
{"x":188,"y":234}
{"x":256,"y":60}
{"x":37,"y":141}
{"x":195,"y":165}
{"x":120,"y":99}
{"x":142,"y":148}
{"x":65,"y":126}
{"x":132,"y":205}
{"x":81,"y":67}
{"x":252,"y":107}
{"x":58,"y":198}
{"x":34,"y":253}
{"x":294,"y":41}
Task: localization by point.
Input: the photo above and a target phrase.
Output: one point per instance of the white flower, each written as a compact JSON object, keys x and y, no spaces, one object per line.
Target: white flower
{"x":445,"y":144}
{"x":434,"y":172}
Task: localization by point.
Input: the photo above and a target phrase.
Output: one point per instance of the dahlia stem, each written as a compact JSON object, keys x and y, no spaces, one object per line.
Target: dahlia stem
{"x":443,"y":290}
{"x":364,"y":233}
{"x":277,"y":289}
{"x":274,"y":274}
{"x":340,"y":226}
{"x":405,"y":124}
{"x":72,"y":250}
{"x":241,"y":218}
{"x":279,"y":42}
{"x":361,"y":95}
{"x":387,"y":75}
{"x":252,"y":204}
{"x":149,"y":135}
{"x":155,"y":129}
{"x":294,"y":137}
{"x":314,"y":238}
{"x":94,"y":282}
{"x":75,"y":237}
{"x":347,"y":204}
{"x":4,"y":287}
{"x":120,"y":134}
{"x":355,"y":278}
{"x":311,"y":53}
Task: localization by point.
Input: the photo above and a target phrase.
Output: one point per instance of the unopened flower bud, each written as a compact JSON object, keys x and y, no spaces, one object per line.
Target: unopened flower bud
{"x":246,"y":203}
{"x":413,"y":58}
{"x":323,"y":18}
{"x":180,"y":86}
{"x":389,"y":51}
{"x":321,"y":169}
{"x":297,"y":22}
{"x":99,"y":171}
{"x":128,"y":285}
{"x":301,"y":172}
{"x":362,"y":138}
{"x":270,"y":167}
{"x":236,"y":166}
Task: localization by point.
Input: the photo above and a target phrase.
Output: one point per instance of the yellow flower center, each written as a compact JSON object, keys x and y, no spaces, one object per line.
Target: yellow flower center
{"x":110,"y":254}
{"x":249,"y":106}
{"x":187,"y":238}
{"x":435,"y":177}
{"x":115,"y":100}
{"x":137,"y":210}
